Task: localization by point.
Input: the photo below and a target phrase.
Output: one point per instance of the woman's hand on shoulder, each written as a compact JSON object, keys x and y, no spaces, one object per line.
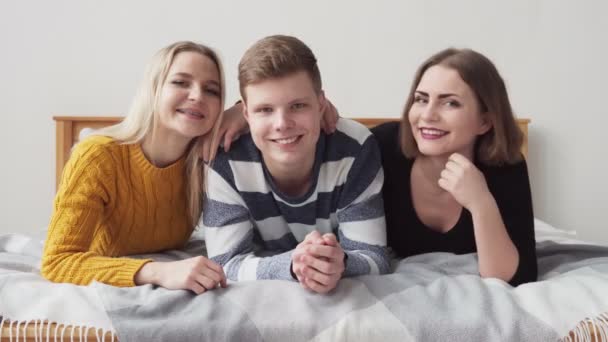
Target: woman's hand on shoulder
{"x":197,"y":274}
{"x":465,"y":182}
{"x":330,"y":118}
{"x":233,"y":125}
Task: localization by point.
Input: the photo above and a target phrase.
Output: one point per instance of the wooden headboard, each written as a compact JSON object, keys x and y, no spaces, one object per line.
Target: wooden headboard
{"x":69,"y":127}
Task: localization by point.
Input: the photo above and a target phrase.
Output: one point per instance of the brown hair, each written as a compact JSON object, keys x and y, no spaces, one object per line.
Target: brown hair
{"x":274,"y":57}
{"x":502,"y":142}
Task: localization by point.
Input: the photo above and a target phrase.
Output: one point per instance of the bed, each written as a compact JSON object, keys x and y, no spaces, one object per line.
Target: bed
{"x":367,"y":308}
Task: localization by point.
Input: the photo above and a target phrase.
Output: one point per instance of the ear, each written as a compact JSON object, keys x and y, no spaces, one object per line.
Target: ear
{"x":322,"y":102}
{"x":485,"y":126}
{"x":245,"y":110}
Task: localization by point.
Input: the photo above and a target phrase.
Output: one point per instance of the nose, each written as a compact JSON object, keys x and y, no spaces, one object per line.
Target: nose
{"x":429,"y":112}
{"x":195,"y":94}
{"x":283,"y":120}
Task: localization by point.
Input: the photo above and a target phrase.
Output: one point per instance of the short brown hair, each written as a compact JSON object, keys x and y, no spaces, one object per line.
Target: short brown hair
{"x":274,"y":57}
{"x":502,"y":142}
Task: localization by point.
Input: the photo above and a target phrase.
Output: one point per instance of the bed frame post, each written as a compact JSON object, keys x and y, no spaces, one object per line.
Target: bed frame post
{"x":63,"y":143}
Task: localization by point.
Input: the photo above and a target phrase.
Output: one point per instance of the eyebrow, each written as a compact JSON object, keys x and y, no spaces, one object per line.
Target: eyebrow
{"x":441,"y":96}
{"x":301,"y":99}
{"x":182,"y":74}
{"x":267,"y":104}
{"x":189,"y":76}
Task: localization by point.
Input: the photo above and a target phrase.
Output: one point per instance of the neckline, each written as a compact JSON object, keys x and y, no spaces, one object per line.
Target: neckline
{"x":143,"y":162}
{"x":315,"y":176}
{"x":415,"y":213}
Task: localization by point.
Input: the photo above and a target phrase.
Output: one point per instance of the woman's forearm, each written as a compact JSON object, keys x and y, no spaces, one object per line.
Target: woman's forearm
{"x":498,"y":257}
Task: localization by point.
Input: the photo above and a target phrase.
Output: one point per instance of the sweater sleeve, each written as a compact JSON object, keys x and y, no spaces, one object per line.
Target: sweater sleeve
{"x":361,"y":221}
{"x":511,"y":188}
{"x":81,"y":202}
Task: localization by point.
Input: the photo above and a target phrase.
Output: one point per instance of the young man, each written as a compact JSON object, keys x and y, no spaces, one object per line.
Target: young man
{"x":287,"y":201}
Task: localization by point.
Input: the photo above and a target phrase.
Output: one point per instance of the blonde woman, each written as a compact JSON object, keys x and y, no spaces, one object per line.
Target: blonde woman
{"x":135,"y":187}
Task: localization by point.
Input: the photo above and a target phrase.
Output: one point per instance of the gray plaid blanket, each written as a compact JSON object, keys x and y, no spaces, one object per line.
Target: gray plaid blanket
{"x":431,"y":297}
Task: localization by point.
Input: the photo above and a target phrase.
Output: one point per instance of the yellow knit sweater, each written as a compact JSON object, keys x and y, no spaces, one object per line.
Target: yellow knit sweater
{"x":113,"y":202}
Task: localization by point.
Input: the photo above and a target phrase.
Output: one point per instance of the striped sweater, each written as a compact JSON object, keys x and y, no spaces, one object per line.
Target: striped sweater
{"x":251,"y":228}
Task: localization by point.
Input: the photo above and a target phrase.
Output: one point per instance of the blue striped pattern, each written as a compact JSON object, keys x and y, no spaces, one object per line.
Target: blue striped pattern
{"x":251,"y":228}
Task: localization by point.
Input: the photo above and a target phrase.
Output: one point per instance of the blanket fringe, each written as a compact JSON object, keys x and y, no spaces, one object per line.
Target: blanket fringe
{"x":590,"y":330}
{"x":22,"y":331}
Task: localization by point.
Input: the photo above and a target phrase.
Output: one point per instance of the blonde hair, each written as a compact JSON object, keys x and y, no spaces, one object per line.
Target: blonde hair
{"x":502,"y":143}
{"x":140,"y":121}
{"x":274,"y":57}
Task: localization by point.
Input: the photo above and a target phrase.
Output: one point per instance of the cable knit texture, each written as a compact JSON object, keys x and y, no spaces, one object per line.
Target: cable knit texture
{"x":112,"y":202}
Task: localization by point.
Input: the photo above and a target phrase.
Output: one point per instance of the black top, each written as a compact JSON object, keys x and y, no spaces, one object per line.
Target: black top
{"x":407,"y":235}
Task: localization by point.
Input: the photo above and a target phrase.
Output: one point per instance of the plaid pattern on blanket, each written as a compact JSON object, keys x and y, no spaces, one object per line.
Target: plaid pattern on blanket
{"x":430,"y":297}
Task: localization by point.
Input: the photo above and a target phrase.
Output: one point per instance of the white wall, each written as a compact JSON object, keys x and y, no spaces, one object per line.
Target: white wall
{"x":86,"y":58}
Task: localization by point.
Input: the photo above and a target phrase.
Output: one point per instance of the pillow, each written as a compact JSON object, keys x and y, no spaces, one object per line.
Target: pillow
{"x":85,"y":132}
{"x":544,"y":231}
